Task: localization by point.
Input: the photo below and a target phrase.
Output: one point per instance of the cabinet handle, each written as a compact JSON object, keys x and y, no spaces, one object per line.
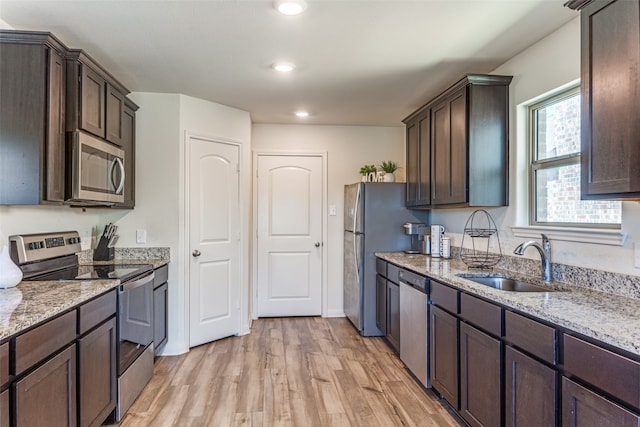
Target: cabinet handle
{"x":196,"y":253}
{"x":317,"y":245}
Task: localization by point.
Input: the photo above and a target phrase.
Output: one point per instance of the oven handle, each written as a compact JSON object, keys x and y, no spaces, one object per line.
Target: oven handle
{"x":137,"y":283}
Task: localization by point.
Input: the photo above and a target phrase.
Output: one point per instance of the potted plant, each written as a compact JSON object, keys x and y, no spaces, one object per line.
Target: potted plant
{"x":366,"y":170}
{"x":389,"y":167}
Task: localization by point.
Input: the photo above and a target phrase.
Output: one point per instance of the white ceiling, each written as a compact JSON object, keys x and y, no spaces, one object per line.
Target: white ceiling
{"x":359,"y":62}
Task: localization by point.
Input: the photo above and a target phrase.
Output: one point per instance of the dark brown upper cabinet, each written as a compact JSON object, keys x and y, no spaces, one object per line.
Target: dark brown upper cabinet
{"x":95,"y":99}
{"x":418,"y":152}
{"x":32,"y":117}
{"x":610,"y":89}
{"x":458,"y":146}
{"x":128,"y":144}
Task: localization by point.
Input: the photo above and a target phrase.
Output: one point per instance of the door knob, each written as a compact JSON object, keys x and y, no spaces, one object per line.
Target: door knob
{"x":317,"y":245}
{"x":196,"y":253}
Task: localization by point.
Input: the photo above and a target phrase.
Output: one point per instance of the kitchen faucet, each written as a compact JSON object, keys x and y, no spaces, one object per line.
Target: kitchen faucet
{"x":545,"y":255}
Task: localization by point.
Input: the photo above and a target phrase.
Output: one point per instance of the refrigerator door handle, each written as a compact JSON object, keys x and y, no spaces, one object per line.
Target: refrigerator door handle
{"x":356,"y":255}
{"x":355,"y":211}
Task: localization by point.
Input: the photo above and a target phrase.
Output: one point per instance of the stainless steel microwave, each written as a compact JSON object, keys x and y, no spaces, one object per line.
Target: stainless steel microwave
{"x":97,"y":171}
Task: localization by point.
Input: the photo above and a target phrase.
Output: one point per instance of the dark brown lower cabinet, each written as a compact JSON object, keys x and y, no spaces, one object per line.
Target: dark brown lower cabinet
{"x":443,"y":359}
{"x":4,"y":409}
{"x":47,"y":396}
{"x":393,"y":315}
{"x":381,"y":304}
{"x":530,"y":391}
{"x":97,"y":374}
{"x":584,"y":408}
{"x":480,"y":362}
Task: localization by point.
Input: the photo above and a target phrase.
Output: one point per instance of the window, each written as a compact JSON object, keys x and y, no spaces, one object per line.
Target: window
{"x":555,"y":168}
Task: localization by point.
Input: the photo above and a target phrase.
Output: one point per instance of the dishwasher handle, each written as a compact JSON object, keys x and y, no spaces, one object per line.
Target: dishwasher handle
{"x":414,"y":280}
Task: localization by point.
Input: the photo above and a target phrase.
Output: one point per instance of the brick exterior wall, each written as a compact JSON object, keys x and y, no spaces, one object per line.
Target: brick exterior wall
{"x":559,"y":188}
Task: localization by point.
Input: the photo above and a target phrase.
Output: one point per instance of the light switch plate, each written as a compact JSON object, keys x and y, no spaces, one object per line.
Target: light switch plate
{"x":141,"y":236}
{"x":332,"y":210}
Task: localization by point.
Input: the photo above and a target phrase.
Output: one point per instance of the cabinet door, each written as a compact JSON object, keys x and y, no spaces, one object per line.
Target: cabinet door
{"x":424,"y":140}
{"x":381,"y":304}
{"x":610,"y":79}
{"x":55,"y":145}
{"x":480,"y":362}
{"x":47,"y":396}
{"x":4,"y":409}
{"x":115,"y":128}
{"x":583,"y":408}
{"x":160,"y":316}
{"x":413,"y":164}
{"x":530,"y":391}
{"x":97,"y":374}
{"x":393,"y":315}
{"x":443,"y":356}
{"x":92,"y":100}
{"x":449,"y":150}
{"x":128,"y":144}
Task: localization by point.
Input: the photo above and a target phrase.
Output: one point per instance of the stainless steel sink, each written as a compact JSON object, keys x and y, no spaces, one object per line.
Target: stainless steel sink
{"x":505,"y":283}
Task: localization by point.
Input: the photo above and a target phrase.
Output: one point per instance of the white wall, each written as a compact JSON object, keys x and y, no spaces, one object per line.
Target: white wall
{"x":161,"y":125}
{"x":38,"y":219}
{"x":551,"y":63}
{"x":347,"y":148}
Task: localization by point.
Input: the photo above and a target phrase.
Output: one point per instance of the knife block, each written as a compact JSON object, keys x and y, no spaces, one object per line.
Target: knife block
{"x":102,"y":252}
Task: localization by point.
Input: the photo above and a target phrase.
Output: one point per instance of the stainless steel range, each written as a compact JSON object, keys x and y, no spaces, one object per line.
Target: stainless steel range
{"x":51,"y":256}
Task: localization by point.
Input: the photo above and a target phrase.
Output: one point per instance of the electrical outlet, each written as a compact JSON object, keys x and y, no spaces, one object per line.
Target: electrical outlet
{"x":141,"y":236}
{"x":637,"y":254}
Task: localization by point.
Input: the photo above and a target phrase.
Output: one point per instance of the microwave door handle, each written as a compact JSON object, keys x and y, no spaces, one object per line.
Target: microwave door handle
{"x":120,"y":185}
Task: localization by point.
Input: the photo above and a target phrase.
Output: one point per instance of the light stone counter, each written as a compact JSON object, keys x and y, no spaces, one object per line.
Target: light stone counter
{"x":614,"y":320}
{"x":30,"y":303}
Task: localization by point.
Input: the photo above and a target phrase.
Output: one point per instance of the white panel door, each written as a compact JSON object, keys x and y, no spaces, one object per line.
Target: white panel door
{"x":289,"y":210}
{"x":214,"y":240}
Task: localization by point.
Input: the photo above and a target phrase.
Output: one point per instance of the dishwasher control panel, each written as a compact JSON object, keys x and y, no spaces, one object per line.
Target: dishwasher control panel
{"x":413,"y":279}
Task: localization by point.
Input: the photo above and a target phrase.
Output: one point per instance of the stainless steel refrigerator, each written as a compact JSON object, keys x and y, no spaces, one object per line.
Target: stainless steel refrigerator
{"x":373,"y":217}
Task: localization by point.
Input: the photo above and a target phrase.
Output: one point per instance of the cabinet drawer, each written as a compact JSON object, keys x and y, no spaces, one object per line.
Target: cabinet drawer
{"x":606,"y":370}
{"x":483,"y":314}
{"x":531,"y":336}
{"x":393,"y":273}
{"x":381,"y":267}
{"x":444,"y":296}
{"x":4,"y":364}
{"x":162,"y":275}
{"x":37,"y":344}
{"x":96,"y":311}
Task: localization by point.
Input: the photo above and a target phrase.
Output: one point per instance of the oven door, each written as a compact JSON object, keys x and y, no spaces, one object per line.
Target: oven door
{"x":97,"y":170}
{"x":135,"y":320}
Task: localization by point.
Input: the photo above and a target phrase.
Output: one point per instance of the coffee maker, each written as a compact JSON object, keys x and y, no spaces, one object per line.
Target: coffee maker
{"x":418,"y":232}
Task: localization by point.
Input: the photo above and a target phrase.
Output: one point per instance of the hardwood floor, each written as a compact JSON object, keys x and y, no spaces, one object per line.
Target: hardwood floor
{"x":287,"y":372}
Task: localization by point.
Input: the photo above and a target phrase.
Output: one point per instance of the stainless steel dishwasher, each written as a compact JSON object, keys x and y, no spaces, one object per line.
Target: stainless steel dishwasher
{"x":414,"y":327}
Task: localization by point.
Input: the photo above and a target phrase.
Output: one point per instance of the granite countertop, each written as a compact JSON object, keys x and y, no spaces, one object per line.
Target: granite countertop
{"x":614,"y":320}
{"x":30,"y":303}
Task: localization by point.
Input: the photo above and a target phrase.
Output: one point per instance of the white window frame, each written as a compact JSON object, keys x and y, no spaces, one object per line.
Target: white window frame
{"x":606,"y":234}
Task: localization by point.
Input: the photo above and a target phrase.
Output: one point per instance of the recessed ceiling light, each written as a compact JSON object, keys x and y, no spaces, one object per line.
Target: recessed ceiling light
{"x":302,"y":114}
{"x":283,"y":67}
{"x":290,"y":7}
